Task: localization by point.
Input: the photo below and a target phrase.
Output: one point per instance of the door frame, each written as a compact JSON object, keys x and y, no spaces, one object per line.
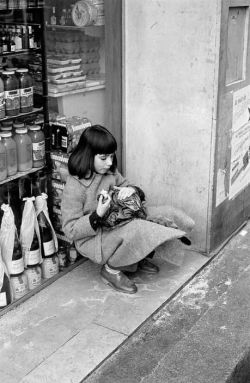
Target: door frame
{"x":113,"y":65}
{"x":230,"y":214}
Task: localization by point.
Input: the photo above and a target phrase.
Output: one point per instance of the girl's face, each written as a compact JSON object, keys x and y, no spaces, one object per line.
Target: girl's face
{"x":103,"y":162}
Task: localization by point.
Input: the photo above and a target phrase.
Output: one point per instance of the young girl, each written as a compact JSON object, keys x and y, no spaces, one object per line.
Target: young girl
{"x":122,"y":248}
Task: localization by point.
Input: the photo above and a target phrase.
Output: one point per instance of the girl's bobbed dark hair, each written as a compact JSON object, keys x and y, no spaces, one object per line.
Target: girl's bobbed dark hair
{"x":94,"y":140}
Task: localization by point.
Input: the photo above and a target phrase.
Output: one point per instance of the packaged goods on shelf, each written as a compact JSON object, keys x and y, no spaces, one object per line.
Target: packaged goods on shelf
{"x":66,"y":133}
{"x":59,"y":166}
{"x":72,"y":57}
{"x":57,"y":191}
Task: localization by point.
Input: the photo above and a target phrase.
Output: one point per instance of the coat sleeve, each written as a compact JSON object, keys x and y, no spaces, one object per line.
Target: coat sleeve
{"x":75,"y":225}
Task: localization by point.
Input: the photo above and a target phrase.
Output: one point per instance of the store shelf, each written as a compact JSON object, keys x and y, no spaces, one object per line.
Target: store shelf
{"x":20,"y":174}
{"x":34,"y":111}
{"x":76,"y":91}
{"x":21,"y":52}
{"x":72,"y":27}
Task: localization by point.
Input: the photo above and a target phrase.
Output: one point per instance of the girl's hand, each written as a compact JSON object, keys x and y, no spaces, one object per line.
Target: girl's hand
{"x":103,"y":204}
{"x":124,"y":192}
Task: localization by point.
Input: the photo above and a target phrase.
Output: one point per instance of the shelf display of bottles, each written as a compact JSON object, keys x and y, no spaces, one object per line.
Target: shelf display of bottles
{"x":20,"y":4}
{"x":29,"y":253}
{"x":22,"y":149}
{"x":18,"y":38}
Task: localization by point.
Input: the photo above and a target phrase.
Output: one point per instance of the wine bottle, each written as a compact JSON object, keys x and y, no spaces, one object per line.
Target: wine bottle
{"x":5,"y":290}
{"x":16,"y":265}
{"x":33,"y":255}
{"x":48,"y":244}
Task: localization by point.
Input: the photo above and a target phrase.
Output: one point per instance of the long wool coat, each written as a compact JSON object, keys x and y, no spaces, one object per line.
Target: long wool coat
{"x":120,"y":246}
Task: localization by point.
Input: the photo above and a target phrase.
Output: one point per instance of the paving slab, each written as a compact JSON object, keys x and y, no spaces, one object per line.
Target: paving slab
{"x":74,"y":359}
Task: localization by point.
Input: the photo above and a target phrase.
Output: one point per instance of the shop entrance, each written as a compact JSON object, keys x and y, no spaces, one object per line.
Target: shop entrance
{"x":231,"y":195}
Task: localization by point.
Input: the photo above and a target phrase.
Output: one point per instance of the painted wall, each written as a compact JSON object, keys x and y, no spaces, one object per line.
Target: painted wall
{"x":170,"y":92}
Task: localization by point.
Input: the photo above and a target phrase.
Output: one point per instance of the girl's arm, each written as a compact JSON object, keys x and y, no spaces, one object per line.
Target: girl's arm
{"x":123,"y":182}
{"x":75,"y":225}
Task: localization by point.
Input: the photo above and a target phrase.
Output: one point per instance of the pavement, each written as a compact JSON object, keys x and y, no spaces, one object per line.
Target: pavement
{"x":189,"y":324}
{"x":66,"y":330}
{"x":202,"y":335}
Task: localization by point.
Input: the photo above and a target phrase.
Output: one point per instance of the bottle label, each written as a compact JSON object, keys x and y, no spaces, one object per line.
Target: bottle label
{"x":64,"y":142}
{"x":16,"y":267}
{"x":12,"y":99}
{"x":26,"y":97}
{"x":34,"y":276}
{"x":2,"y":105}
{"x":3,"y":299}
{"x":1,"y":100}
{"x":33,"y":257}
{"x":38,"y":151}
{"x":20,"y":286}
{"x":50,"y":267}
{"x":18,"y":41}
{"x":31,"y":42}
{"x":11,"y":157}
{"x":49,"y":248}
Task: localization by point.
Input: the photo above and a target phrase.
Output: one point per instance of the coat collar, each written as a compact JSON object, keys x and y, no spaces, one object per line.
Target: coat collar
{"x":87,"y":182}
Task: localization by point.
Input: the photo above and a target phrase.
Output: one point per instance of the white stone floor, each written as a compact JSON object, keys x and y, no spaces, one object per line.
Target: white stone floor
{"x":66,"y":330}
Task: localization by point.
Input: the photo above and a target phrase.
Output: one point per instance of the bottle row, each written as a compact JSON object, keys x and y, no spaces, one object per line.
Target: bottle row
{"x":20,"y":4}
{"x":16,"y":92}
{"x":21,"y":152}
{"x":14,"y":38}
{"x":33,"y":276}
{"x":33,"y":255}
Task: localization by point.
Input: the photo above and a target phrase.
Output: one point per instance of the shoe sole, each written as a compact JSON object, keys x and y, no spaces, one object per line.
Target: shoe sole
{"x":116,"y":288}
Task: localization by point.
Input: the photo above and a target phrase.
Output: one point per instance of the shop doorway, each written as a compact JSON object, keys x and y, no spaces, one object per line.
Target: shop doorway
{"x":231,"y":195}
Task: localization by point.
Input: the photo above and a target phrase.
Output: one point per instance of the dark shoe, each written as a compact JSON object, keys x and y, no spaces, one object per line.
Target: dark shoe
{"x":148,"y":267}
{"x":118,"y":281}
{"x":185,"y":240}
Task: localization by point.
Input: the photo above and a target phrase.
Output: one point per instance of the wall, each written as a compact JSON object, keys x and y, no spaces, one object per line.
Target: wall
{"x":170,"y":89}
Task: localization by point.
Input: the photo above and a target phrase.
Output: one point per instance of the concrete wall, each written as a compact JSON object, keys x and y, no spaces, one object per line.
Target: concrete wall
{"x":170,"y":93}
